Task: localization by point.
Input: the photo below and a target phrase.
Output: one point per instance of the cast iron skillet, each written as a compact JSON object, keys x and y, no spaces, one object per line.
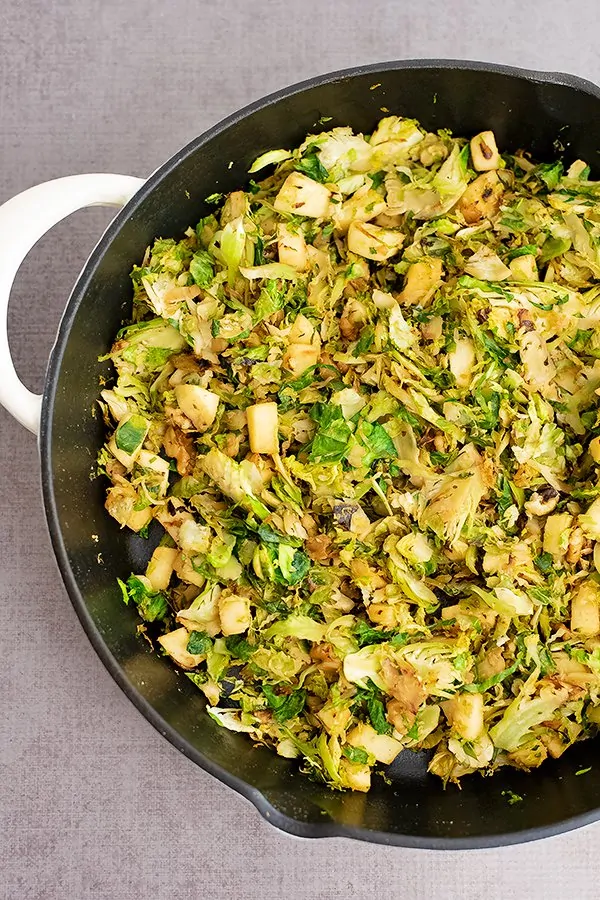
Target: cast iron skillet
{"x":542,"y":112}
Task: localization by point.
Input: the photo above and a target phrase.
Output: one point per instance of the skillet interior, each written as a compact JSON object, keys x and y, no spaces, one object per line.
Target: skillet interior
{"x":525,"y":110}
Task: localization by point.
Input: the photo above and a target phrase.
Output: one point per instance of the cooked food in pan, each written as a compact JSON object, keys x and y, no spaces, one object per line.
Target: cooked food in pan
{"x":361,"y":400}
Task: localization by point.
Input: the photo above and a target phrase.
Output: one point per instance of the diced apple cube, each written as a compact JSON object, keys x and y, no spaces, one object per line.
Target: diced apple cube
{"x":263,"y":426}
{"x":234,"y":613}
{"x":302,"y":196}
{"x":291,"y":248}
{"x":373,"y":241}
{"x":300,"y":357}
{"x":465,"y":715}
{"x":422,"y":280}
{"x":585,"y":609}
{"x":198,"y":404}
{"x":385,"y":749}
{"x":175,"y":644}
{"x":484,"y":152}
{"x":160,"y":567}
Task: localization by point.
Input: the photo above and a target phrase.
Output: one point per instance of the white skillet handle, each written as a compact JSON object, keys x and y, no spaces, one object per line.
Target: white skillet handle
{"x":23,"y":221}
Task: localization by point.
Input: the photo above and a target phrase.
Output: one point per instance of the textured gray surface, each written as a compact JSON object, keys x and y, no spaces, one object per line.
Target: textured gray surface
{"x":93,"y":803}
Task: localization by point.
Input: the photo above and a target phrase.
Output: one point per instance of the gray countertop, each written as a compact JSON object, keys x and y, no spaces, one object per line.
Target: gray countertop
{"x":93,"y":802}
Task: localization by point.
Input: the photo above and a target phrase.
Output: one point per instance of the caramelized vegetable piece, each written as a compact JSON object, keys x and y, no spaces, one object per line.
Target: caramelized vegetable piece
{"x":482,"y":198}
{"x":302,"y":196}
{"x":198,"y":404}
{"x":175,"y":644}
{"x":484,"y":152}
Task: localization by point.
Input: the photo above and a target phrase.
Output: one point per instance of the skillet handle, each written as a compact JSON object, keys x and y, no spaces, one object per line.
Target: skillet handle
{"x":23,"y":221}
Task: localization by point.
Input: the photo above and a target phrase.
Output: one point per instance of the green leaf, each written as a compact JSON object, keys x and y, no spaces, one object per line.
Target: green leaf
{"x":169,"y":256}
{"x":550,"y":174}
{"x":297,"y":626}
{"x":378,"y":443}
{"x":376,"y":711}
{"x":221,"y":550}
{"x":311,"y":165}
{"x":365,"y":340}
{"x":282,"y":561}
{"x":284,"y":706}
{"x":199,"y":642}
{"x":355,"y":754}
{"x":233,"y":243}
{"x":491,"y":681}
{"x":186,"y":487}
{"x":413,"y":732}
{"x":197,"y":678}
{"x":270,"y":270}
{"x":271,"y":157}
{"x":400,"y":639}
{"x":239,"y":647}
{"x":307,"y":378}
{"x":130,"y":436}
{"x":259,"y":246}
{"x":405,"y":415}
{"x":440,"y":459}
{"x":491,"y":407}
{"x":288,"y":493}
{"x":558,"y":301}
{"x":461,"y":661}
{"x":377,"y":178}
{"x":589,"y":493}
{"x":285,"y":558}
{"x":151,"y":605}
{"x":582,"y":338}
{"x":526,"y":250}
{"x":327,"y":449}
{"x":512,"y":798}
{"x":124,"y":592}
{"x":365,"y":634}
{"x":201,"y":268}
{"x":496,"y":349}
{"x":156,"y":357}
{"x":544,"y":562}
{"x":251,"y":354}
{"x":371,"y":697}
{"x":439,"y":377}
{"x":553,"y":247}
{"x":268,"y":535}
{"x":331,"y":440}
{"x":542,"y":595}
{"x":231,"y":478}
{"x":293,"y":564}
{"x":514,"y":220}
{"x":270,"y":300}
{"x":505,"y":500}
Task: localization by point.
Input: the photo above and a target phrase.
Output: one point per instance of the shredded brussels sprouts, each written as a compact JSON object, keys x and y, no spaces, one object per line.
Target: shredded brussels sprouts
{"x":361,"y":399}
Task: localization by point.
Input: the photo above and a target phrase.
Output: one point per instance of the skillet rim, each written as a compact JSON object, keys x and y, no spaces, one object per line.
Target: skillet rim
{"x":269,"y":812}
